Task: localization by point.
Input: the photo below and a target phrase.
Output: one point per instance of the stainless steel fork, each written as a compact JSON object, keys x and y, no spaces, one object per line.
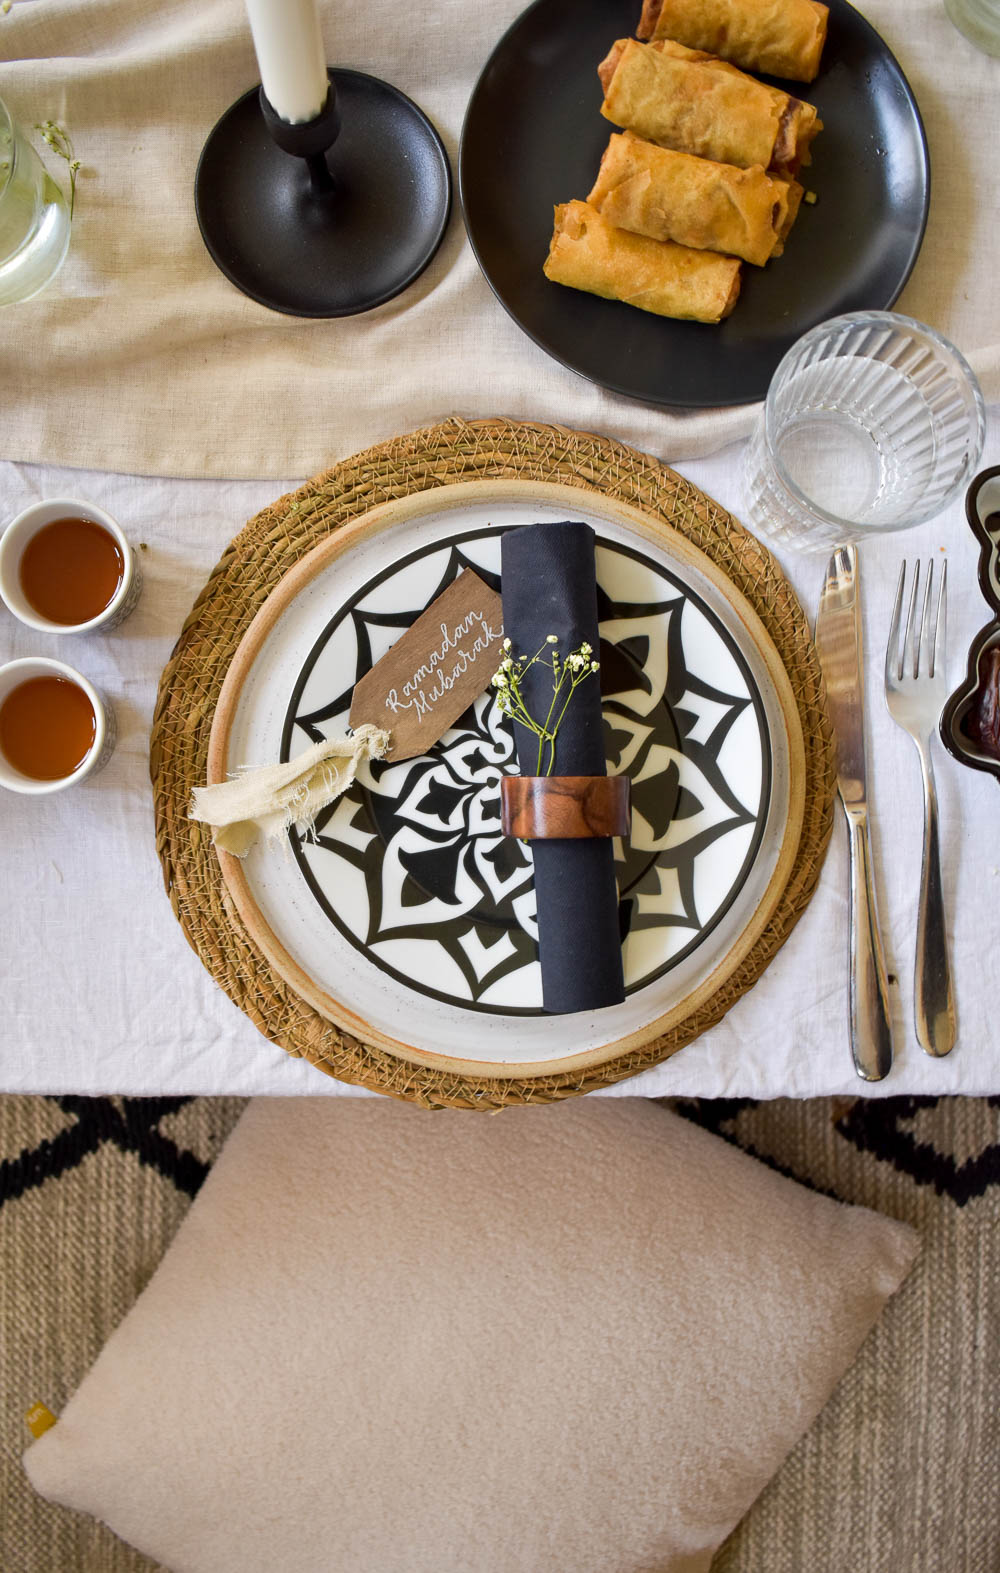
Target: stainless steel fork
{"x":915,"y":690}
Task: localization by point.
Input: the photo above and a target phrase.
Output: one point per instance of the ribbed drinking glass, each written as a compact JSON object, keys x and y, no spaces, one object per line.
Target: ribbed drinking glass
{"x":873,"y":422}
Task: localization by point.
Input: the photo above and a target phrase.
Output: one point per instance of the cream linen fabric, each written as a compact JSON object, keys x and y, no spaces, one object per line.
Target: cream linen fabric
{"x":580,"y":1337}
{"x":141,"y":358}
{"x":266,"y":801}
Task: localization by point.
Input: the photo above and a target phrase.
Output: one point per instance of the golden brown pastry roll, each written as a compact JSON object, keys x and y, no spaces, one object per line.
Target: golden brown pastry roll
{"x":588,"y":253}
{"x":799,"y":122}
{"x":674,"y":196}
{"x":696,"y":103}
{"x":781,"y":37}
{"x":790,"y":195}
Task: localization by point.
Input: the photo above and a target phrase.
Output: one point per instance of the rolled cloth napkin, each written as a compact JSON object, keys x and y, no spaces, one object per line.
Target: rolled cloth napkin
{"x":548,"y":586}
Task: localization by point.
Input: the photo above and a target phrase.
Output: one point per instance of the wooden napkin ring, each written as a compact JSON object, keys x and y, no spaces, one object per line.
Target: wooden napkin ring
{"x":565,"y":808}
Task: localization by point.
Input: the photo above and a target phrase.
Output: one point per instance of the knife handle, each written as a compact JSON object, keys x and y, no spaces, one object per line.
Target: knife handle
{"x":871,"y":1029}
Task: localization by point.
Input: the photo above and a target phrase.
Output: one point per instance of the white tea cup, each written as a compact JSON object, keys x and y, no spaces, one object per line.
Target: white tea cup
{"x":23,"y":529}
{"x":12,"y":675}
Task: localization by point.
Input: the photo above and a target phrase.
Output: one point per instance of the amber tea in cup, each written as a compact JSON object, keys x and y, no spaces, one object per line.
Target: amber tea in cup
{"x":47,"y":727}
{"x":71,"y":571}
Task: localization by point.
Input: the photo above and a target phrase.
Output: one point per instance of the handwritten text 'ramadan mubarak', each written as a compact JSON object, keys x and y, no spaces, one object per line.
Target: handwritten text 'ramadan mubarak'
{"x":446,"y":665}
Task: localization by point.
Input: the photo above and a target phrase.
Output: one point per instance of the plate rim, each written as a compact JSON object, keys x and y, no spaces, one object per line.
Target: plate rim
{"x":383,"y":517}
{"x":689,"y":402}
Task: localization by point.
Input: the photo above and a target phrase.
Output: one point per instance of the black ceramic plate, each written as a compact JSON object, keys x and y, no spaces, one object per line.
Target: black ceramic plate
{"x":534,"y":136}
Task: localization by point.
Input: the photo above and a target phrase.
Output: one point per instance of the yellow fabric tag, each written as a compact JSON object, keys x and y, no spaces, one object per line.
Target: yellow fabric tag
{"x":39,"y":1419}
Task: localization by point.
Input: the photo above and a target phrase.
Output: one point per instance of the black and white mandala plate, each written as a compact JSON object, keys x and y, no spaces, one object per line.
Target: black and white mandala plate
{"x":414,"y":871}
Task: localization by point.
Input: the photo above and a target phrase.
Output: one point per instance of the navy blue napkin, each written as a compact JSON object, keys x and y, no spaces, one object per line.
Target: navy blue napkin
{"x":548,"y":585}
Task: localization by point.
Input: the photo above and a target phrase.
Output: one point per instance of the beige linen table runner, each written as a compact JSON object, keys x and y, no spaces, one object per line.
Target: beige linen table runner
{"x":142,"y":358}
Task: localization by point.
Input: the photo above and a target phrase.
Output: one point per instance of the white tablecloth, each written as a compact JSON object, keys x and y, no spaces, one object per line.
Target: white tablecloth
{"x":101,"y":993}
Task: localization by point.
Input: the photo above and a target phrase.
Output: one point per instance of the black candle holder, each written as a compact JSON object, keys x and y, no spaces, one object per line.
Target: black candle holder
{"x":314,"y":235}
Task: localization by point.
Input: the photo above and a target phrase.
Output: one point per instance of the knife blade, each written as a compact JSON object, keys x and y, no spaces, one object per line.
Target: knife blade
{"x":839,"y":645}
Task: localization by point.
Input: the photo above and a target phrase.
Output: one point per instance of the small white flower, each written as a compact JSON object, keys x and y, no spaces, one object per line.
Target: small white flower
{"x":552,"y":639}
{"x":595,"y":666}
{"x":506,"y":644}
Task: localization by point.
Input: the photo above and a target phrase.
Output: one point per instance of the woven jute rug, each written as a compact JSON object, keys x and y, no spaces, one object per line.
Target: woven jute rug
{"x":900,"y":1474}
{"x":251,"y":568}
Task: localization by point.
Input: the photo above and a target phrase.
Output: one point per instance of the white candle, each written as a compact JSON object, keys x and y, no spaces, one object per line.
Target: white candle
{"x":291,"y":57}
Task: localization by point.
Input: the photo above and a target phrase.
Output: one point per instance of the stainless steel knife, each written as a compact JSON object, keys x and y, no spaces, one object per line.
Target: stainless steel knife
{"x":838,"y":640}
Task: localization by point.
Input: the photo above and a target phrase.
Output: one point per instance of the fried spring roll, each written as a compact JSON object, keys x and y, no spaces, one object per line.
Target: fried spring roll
{"x":800,"y":121}
{"x":790,"y":196}
{"x":695,"y":103}
{"x":781,"y":37}
{"x":588,"y":253}
{"x":673,"y":196}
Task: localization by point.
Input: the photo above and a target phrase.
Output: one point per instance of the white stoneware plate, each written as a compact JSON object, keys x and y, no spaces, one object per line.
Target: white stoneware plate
{"x":409,"y":918}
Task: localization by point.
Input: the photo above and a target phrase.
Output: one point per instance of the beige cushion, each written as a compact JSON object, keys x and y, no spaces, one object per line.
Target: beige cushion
{"x":577,"y":1339}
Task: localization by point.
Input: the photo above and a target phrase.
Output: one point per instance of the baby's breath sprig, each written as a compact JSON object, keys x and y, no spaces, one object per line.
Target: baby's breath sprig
{"x":59,"y":140}
{"x":568,"y":673}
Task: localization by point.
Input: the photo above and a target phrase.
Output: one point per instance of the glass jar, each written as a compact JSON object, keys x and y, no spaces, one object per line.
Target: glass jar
{"x":979,"y":20}
{"x":34,"y":217}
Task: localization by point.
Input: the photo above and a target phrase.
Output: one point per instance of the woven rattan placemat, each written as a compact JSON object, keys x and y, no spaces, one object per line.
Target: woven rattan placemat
{"x":251,"y":568}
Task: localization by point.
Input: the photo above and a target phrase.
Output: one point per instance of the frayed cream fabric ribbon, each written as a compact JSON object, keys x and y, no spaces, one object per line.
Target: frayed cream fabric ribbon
{"x":269,"y":800}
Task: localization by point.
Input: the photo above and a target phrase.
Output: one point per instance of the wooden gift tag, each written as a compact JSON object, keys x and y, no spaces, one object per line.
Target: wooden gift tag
{"x":435,"y":671}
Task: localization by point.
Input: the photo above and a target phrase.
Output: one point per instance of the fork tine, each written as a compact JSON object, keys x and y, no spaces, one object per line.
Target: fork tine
{"x":912,"y":634}
{"x":925,"y":644}
{"x":893,"y":651}
{"x":938,"y":649}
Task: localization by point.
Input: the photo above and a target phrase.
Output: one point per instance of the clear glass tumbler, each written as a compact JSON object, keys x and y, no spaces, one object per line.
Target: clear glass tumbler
{"x":34,"y":217}
{"x":979,"y":20}
{"x":872,"y":422}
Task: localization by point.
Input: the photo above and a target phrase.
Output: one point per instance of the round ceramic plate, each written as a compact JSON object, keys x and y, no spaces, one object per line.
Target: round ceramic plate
{"x":408,"y":918}
{"x":534,"y":135}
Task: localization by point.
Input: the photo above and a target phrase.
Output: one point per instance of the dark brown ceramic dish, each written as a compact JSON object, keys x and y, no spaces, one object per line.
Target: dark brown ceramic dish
{"x":982,"y":507}
{"x":534,"y":135}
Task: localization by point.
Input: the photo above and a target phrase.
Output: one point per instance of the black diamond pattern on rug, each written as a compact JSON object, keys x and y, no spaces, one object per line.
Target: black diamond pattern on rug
{"x":884,"y":1127}
{"x":130,"y":1124}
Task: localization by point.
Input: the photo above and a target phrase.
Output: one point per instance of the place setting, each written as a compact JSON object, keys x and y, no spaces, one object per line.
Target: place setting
{"x":397,"y":895}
